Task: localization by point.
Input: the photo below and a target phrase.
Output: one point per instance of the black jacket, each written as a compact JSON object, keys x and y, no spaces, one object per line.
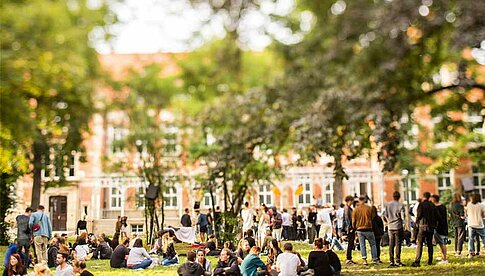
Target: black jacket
{"x":103,"y":251}
{"x":52,"y":255}
{"x":377,"y":226}
{"x":427,"y":217}
{"x":190,"y":269}
{"x":231,"y":264}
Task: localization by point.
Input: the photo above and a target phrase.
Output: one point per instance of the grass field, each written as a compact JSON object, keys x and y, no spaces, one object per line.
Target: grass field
{"x":457,"y":266}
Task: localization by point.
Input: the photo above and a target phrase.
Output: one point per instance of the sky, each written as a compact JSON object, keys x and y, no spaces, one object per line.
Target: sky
{"x":149,"y":26}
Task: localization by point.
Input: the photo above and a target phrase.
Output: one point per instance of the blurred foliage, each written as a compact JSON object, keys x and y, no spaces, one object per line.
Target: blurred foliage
{"x":47,"y":75}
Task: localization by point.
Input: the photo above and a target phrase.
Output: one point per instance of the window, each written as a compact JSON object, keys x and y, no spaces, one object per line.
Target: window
{"x":118,"y":139}
{"x":115,"y":198}
{"x":265,"y":194}
{"x":140,"y":197}
{"x":170,"y":140}
{"x":207,"y":202}
{"x":479,"y":181}
{"x":444,"y":182}
{"x":306,"y":196}
{"x":72,"y":160}
{"x":328,"y":193}
{"x":413,"y":191}
{"x":137,"y":229}
{"x":170,"y":197}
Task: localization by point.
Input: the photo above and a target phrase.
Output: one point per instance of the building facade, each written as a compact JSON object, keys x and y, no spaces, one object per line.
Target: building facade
{"x":102,"y":194}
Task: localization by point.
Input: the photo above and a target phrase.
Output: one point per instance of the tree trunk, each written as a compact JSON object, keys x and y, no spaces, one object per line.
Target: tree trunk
{"x":38,"y":149}
{"x":339,"y":174}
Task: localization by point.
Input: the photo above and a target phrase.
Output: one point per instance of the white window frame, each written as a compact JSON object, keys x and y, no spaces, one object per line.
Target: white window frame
{"x":173,"y":195}
{"x":479,"y":182}
{"x":446,"y":180}
{"x":140,"y":197}
{"x":265,"y":192}
{"x":355,"y":179}
{"x":413,"y":191}
{"x":327,"y":191}
{"x":115,"y":197}
{"x":206,"y":200}
{"x":307,"y":194}
{"x":135,"y":228}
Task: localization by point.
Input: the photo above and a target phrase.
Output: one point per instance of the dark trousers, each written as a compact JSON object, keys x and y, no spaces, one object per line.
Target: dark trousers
{"x":395,"y":240}
{"x":286,"y":232}
{"x":424,"y":236}
{"x":378,"y":247}
{"x":460,"y":235}
{"x":312,"y":232}
{"x":317,"y":227}
{"x":26,"y":245}
{"x":351,"y":244}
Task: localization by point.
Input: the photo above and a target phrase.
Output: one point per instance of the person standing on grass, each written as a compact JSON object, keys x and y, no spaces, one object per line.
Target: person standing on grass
{"x":203,"y":224}
{"x":24,"y":234}
{"x":63,"y":268}
{"x":286,"y":223}
{"x":426,"y":222}
{"x":348,"y":229}
{"x":362,"y":223}
{"x":378,"y":230}
{"x":185,"y":220}
{"x":475,"y":213}
{"x":457,"y":212}
{"x":275,"y":223}
{"x":441,"y":231}
{"x":41,"y":226}
{"x":247,"y":215}
{"x":394,"y":216}
{"x":252,"y":262}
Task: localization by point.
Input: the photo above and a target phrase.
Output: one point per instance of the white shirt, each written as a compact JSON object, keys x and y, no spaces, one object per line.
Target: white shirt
{"x":475,"y":214}
{"x":323,"y":216}
{"x":285,"y":219}
{"x":287,"y":263}
{"x":68,"y":271}
{"x":82,"y":251}
{"x":340,"y":217}
{"x":247,"y":216}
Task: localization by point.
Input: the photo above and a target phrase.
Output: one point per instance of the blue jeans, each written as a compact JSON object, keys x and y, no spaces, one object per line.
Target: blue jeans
{"x":363,"y":235}
{"x":167,"y":261}
{"x":335,"y":242}
{"x":144,"y":264}
{"x":475,"y":231}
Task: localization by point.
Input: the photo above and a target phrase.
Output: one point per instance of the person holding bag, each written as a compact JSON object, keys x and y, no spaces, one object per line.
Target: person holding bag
{"x":41,"y":227}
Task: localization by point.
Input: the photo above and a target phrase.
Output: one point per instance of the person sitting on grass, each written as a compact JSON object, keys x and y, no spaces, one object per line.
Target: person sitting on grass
{"x":82,"y":250}
{"x":190,"y":267}
{"x":252,"y":262}
{"x":274,"y":251}
{"x":243,"y":250}
{"x":334,"y":260}
{"x":288,"y":262}
{"x":204,"y":262}
{"x":15,"y":266}
{"x":250,"y":238}
{"x":103,"y":251}
{"x":318,"y":259}
{"x":168,"y":250}
{"x":41,"y":269}
{"x":120,"y":255}
{"x":227,"y":264}
{"x":63,"y":268}
{"x":80,"y":267}
{"x":211,"y":246}
{"x":138,"y":257}
{"x":52,"y":252}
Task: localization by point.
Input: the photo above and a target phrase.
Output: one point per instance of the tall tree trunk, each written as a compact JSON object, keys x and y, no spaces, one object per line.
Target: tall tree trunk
{"x":38,"y":149}
{"x":337,"y":185}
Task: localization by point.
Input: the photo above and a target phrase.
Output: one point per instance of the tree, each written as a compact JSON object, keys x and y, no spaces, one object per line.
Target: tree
{"x":47,"y":78}
{"x":384,"y":56}
{"x":143,"y":97}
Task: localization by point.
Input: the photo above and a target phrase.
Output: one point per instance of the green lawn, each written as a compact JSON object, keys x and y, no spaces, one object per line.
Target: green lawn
{"x":457,"y":266}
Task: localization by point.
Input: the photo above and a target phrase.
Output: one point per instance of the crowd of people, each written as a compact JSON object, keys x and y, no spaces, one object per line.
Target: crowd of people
{"x":266,"y":232}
